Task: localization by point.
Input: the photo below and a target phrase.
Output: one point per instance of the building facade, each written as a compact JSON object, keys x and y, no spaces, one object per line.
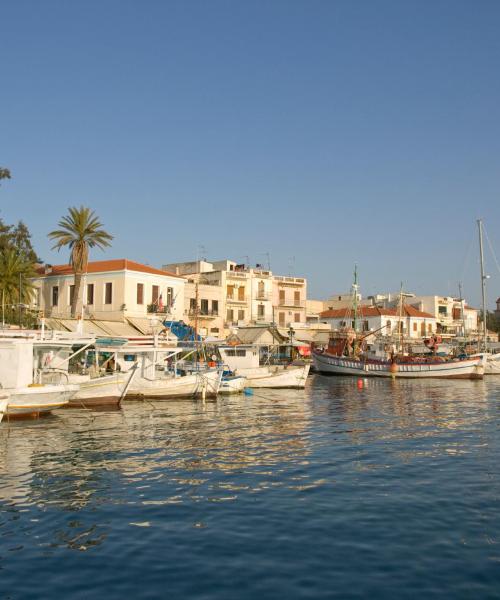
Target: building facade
{"x":410,"y":322}
{"x":111,"y":290}
{"x":244,"y":295}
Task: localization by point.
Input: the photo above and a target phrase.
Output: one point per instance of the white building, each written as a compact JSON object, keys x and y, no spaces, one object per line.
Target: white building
{"x":412,"y":323}
{"x":111,"y":290}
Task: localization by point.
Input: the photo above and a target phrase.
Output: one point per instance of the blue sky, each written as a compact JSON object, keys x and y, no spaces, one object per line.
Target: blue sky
{"x":326,"y":133}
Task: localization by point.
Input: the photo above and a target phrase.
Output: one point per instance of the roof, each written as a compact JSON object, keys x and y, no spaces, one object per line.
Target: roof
{"x":375,"y":311}
{"x":103,"y":266}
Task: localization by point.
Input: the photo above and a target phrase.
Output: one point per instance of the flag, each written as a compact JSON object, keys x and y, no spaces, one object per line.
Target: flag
{"x":160,"y":303}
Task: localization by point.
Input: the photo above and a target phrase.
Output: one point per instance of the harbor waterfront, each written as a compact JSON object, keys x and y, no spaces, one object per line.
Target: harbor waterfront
{"x":349,"y":488}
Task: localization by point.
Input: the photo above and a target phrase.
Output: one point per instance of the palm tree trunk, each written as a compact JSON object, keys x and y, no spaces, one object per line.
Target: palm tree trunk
{"x":76,"y":294}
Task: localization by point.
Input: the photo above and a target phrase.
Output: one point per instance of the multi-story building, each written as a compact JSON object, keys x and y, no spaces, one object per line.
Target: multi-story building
{"x":409,"y":321}
{"x":244,"y":295}
{"x":289,"y":300}
{"x":453,"y":315}
{"x":111,"y":290}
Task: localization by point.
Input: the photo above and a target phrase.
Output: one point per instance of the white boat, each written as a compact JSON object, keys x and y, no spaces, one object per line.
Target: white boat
{"x":37,"y":399}
{"x":26,"y":396}
{"x":140,"y":368}
{"x":154,"y":373}
{"x":244,"y":360}
{"x":232,"y":384}
{"x":4,"y":400}
{"x":401,"y":367}
{"x":492,"y":366}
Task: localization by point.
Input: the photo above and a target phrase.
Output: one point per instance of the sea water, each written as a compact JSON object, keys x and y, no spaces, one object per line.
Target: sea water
{"x":348,"y":489}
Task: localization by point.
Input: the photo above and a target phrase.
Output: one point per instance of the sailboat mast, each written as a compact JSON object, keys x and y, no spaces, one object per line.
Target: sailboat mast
{"x":355,"y":297}
{"x":483,"y":282}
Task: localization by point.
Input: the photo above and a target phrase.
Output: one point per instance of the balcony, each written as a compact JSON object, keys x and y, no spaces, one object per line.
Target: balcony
{"x":202,"y":314}
{"x":237,"y":300}
{"x":236,"y":274}
{"x":263,"y":296}
{"x":160,"y":310}
{"x":285,"y":303}
{"x":289,"y":280}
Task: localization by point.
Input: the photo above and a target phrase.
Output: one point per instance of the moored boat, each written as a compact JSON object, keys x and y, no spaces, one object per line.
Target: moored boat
{"x":401,"y":367}
{"x":245,"y":360}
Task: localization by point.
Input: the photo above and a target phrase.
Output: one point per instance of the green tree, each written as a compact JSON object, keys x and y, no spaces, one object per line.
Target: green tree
{"x":4,"y":173}
{"x":15,"y":282}
{"x":21,"y":240}
{"x":80,"y":230}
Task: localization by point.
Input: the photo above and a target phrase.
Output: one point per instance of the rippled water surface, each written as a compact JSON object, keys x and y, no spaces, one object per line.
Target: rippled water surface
{"x":390,"y":491}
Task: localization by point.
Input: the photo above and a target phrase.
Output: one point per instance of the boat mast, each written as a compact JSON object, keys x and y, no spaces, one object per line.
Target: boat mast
{"x":355,"y":298}
{"x":483,"y":282}
{"x":462,"y":306}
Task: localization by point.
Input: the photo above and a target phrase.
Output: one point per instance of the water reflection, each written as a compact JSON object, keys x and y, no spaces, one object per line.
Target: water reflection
{"x":65,"y":479}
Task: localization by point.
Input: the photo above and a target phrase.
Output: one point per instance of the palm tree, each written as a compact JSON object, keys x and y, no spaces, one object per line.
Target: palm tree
{"x":80,"y":230}
{"x":15,"y":285}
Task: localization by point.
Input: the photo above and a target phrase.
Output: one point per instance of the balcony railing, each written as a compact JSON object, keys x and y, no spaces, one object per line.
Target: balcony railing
{"x":237,"y":299}
{"x":161,"y":310}
{"x":263,"y":296}
{"x":285,"y":303}
{"x":202,"y":313}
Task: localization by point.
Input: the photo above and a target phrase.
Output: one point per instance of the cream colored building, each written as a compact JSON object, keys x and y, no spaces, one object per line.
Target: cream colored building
{"x":289,"y":300}
{"x":245,"y":295}
{"x":111,"y":290}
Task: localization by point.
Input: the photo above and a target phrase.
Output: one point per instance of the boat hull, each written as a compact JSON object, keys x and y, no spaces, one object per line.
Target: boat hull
{"x":102,"y":391}
{"x":196,"y":385}
{"x":470,"y":368}
{"x":492,"y":366}
{"x":293,"y":376}
{"x":233,"y":385}
{"x":37,"y":400}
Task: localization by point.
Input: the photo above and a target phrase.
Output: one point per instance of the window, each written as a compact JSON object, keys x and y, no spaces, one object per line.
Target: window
{"x":71,"y":294}
{"x":170,"y":296}
{"x":282,"y":296}
{"x":296,"y":298}
{"x":230,"y":315}
{"x":241,"y":315}
{"x":192,"y":304}
{"x":235,"y":352}
{"x":55,"y":295}
{"x":90,"y":293}
{"x":108,"y":293}
{"x":155,"y":294}
{"x":281,"y":319}
{"x":214,"y":330}
{"x":415,"y":327}
{"x":388,"y":327}
{"x":215,"y":307}
{"x":261,"y":288}
{"x":442,"y":310}
{"x":230,"y":291}
{"x":296,"y":317}
{"x":241,"y":293}
{"x":260,"y":311}
{"x":140,"y":293}
{"x":366,"y":326}
{"x":429,"y":327}
{"x":204,"y":307}
{"x":422,"y":328}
